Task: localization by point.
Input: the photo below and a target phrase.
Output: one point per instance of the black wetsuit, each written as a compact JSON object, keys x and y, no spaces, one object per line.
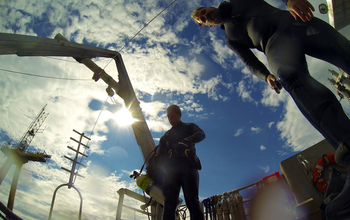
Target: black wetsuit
{"x":180,"y":171}
{"x":285,"y":41}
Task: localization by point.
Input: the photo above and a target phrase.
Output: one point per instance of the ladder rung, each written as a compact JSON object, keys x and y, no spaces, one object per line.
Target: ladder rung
{"x":79,"y":142}
{"x":66,"y":169}
{"x":82,"y":135}
{"x":69,"y":171}
{"x":77,"y":151}
{"x":75,"y":161}
{"x":79,"y":175}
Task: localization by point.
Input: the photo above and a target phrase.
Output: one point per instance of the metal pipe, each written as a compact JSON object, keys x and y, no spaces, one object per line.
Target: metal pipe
{"x":54,"y":197}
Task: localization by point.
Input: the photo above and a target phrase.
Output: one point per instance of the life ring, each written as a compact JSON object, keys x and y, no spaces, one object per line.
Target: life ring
{"x":319,"y":181}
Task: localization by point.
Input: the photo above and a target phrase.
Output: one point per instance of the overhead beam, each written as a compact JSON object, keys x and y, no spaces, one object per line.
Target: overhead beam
{"x":24,"y":45}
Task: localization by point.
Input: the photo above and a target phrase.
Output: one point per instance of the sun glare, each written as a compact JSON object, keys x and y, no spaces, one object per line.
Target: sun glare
{"x":124,"y":118}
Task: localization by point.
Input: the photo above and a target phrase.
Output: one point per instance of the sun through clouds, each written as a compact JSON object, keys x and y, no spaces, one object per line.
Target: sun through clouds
{"x":124,"y":118}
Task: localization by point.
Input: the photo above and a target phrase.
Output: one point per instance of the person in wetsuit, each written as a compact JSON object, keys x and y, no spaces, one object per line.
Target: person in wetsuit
{"x":180,"y":165}
{"x":255,"y":24}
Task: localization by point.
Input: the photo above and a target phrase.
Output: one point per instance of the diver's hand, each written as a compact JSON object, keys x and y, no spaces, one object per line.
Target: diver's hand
{"x":301,"y":8}
{"x":274,"y":83}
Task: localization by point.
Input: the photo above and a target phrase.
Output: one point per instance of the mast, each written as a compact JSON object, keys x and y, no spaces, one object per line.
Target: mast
{"x":21,"y":155}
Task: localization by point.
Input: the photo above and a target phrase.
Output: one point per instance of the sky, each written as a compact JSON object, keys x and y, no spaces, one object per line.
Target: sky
{"x":249,"y":128}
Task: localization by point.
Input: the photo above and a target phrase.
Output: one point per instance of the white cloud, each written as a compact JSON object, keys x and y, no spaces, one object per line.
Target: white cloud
{"x":152,"y":109}
{"x":239,"y":132}
{"x":244,"y":93}
{"x":256,"y":129}
{"x":296,"y":130}
{"x":265,"y":169}
{"x":262,"y":147}
{"x":271,"y":98}
{"x":270,"y":124}
{"x":282,"y":153}
{"x":223,"y":55}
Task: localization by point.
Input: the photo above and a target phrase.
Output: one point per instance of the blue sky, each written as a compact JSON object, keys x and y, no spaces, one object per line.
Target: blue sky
{"x":250,"y":129}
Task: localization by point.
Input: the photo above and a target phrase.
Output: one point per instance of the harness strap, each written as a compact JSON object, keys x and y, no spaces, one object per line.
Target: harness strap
{"x":170,"y":152}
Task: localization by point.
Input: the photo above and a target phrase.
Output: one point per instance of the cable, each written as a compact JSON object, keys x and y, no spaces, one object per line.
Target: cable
{"x":147,"y":24}
{"x":98,"y":117}
{"x":141,"y":30}
{"x":40,"y":76}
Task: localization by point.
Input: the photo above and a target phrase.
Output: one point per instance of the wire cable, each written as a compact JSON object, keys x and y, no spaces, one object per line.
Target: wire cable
{"x":98,"y":117}
{"x":141,"y":30}
{"x":41,"y":76}
{"x":147,"y":25}
{"x":93,"y":128}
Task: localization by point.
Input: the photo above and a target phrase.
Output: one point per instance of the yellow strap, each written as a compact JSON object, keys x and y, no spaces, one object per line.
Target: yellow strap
{"x":170,"y":152}
{"x":326,"y":159}
{"x":186,"y":152}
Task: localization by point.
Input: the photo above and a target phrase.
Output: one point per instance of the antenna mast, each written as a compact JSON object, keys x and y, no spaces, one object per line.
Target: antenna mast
{"x":32,"y":130}
{"x":20,"y":155}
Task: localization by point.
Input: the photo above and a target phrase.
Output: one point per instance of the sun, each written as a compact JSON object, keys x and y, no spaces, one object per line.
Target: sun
{"x":124,"y":118}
